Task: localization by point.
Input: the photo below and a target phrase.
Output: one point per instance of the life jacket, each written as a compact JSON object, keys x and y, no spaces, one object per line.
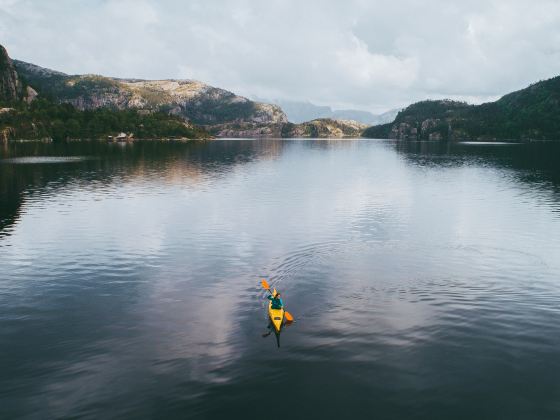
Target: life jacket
{"x":276,"y":302}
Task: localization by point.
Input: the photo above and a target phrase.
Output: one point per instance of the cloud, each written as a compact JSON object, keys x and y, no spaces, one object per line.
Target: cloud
{"x":361,"y":67}
{"x":371,"y":55}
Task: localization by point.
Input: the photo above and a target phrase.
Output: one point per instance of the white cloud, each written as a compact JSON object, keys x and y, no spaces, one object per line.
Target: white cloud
{"x":364,"y":54}
{"x":360,"y":67}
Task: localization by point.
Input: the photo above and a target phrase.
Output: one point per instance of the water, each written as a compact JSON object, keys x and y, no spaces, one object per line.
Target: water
{"x":424,"y":280}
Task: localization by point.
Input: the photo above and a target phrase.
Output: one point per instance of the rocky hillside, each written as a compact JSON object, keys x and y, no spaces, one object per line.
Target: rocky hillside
{"x":528,"y":114}
{"x":218,"y":110}
{"x":25,"y":115}
{"x":324,"y":128}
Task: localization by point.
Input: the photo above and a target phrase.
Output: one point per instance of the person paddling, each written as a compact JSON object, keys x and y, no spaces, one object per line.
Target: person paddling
{"x":276,"y":301}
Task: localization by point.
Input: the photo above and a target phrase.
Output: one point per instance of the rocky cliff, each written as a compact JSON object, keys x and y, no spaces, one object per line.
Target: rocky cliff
{"x":11,"y":88}
{"x":219,"y":111}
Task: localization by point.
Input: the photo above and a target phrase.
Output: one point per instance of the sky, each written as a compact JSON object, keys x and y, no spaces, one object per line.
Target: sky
{"x":372,"y":55}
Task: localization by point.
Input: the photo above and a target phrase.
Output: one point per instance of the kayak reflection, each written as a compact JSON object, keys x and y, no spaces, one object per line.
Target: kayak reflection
{"x":271,"y":329}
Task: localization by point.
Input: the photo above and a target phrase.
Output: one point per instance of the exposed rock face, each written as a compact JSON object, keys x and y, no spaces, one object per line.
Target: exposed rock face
{"x":248,"y":131}
{"x":218,"y":110}
{"x":11,"y":88}
{"x":30,"y":94}
{"x":416,"y":131}
{"x":324,"y":128}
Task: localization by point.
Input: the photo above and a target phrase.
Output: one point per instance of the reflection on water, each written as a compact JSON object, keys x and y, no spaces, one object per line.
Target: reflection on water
{"x":423,"y":278}
{"x":98,"y":165}
{"x":42,"y":159}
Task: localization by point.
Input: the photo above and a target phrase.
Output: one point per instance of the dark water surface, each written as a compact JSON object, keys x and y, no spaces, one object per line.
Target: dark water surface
{"x":424,"y":279}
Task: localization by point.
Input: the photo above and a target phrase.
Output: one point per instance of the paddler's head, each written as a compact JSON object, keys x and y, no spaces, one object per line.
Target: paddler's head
{"x":277,"y":295}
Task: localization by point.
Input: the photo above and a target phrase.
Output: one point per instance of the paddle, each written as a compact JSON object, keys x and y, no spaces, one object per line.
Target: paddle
{"x":288,"y":315}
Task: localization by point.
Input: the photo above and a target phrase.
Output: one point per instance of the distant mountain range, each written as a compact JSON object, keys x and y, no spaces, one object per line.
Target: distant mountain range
{"x":532,"y":113}
{"x":153,"y":108}
{"x":212,"y":108}
{"x":299,"y":112}
{"x":36,"y":103}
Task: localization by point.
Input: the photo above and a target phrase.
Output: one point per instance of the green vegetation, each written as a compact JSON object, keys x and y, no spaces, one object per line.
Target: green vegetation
{"x":58,"y":86}
{"x":382,"y":131}
{"x":287,"y":129}
{"x":219,"y":111}
{"x":531,"y":113}
{"x":84,"y":85}
{"x":432,"y":109}
{"x":44,"y":119}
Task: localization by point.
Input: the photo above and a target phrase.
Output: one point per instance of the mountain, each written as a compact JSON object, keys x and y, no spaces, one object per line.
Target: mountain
{"x":324,"y":128}
{"x":528,"y":114}
{"x":298,"y":112}
{"x":217,"y":110}
{"x":365,"y":117}
{"x":25,"y":114}
{"x":94,"y":106}
{"x":387,"y":116}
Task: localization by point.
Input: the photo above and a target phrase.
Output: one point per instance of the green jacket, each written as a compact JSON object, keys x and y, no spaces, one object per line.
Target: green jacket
{"x":276,"y":302}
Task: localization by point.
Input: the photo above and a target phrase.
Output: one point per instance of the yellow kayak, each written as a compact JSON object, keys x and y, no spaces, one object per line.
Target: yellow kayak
{"x":276,"y":315}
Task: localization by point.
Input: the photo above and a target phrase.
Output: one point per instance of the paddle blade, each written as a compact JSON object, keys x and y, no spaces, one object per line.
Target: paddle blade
{"x":288,"y":316}
{"x":265,"y":284}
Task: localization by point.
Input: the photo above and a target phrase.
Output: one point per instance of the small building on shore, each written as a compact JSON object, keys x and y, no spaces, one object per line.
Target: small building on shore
{"x":123,"y":137}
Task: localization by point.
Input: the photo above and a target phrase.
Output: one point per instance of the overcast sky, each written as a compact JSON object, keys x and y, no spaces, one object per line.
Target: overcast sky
{"x":365,"y":54}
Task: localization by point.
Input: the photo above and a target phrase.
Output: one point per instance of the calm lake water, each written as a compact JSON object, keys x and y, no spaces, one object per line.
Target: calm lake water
{"x":424,"y":280}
